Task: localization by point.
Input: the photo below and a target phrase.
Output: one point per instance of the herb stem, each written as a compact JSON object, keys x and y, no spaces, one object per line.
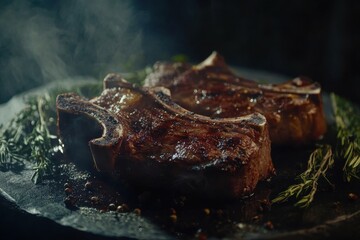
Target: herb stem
{"x":320,"y":160}
{"x":346,"y":151}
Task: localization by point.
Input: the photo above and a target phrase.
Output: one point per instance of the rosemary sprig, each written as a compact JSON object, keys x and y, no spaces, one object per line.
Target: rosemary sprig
{"x":9,"y":154}
{"x":346,"y":151}
{"x":27,"y":138}
{"x":347,"y":120}
{"x":40,"y":142}
{"x":320,"y":160}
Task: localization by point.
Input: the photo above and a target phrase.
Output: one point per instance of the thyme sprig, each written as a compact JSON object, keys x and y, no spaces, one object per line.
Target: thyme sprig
{"x":345,"y":152}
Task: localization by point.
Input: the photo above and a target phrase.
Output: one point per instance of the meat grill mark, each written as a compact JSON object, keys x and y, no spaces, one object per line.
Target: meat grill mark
{"x":293,"y":109}
{"x":149,"y":140}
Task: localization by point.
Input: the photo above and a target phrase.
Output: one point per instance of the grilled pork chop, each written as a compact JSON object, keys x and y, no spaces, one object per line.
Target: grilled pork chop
{"x":145,"y":138}
{"x":293,"y":109}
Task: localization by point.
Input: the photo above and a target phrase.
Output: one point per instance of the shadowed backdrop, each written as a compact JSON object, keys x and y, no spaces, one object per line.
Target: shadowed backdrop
{"x":44,"y":41}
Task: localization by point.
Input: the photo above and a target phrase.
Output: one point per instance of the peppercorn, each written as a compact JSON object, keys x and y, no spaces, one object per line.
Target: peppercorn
{"x":256,"y":218}
{"x":88,"y":185}
{"x":122,"y":208}
{"x":173,"y":218}
{"x":201,"y":235}
{"x":353,"y":197}
{"x":112,"y":207}
{"x":269,"y":225}
{"x":206,"y":211}
{"x":137,"y":211}
{"x":172,"y":211}
{"x":68,"y":190}
{"x":94,"y":200}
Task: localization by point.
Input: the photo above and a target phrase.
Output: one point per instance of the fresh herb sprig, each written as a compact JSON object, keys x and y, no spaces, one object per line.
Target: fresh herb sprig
{"x":30,"y":136}
{"x":320,"y":160}
{"x":42,"y":143}
{"x":347,"y":120}
{"x":345,"y":152}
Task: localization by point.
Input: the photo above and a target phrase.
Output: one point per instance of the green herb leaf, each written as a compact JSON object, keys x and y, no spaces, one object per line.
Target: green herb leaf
{"x":345,"y":152}
{"x":320,"y":160}
{"x":347,"y":119}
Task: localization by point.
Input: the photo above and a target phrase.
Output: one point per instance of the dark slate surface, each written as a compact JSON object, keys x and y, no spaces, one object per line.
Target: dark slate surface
{"x":29,"y":210}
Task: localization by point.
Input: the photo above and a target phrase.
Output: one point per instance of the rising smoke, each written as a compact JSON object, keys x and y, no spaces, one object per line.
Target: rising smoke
{"x":43,"y":41}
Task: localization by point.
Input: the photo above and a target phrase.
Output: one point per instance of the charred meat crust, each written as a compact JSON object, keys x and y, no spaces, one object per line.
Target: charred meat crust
{"x":293,"y":109}
{"x":151,"y":141}
{"x":71,"y":107}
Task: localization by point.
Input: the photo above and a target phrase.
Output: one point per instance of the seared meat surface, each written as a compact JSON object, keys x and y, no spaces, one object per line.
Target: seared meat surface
{"x":142,"y":136}
{"x":293,"y":109}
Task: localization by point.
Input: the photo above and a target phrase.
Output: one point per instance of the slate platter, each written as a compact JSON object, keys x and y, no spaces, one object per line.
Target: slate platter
{"x":39,"y":211}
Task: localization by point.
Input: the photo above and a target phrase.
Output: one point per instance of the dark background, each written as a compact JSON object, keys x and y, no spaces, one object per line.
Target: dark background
{"x":44,"y":41}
